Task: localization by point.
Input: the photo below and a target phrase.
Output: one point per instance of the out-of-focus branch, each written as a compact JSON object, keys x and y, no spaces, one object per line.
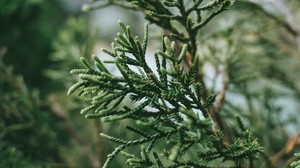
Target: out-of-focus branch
{"x":290,"y":146}
{"x":215,"y":110}
{"x":287,"y":14}
{"x":287,"y":21}
{"x":58,"y":112}
{"x":221,"y":96}
{"x":98,"y":142}
{"x":259,"y":8}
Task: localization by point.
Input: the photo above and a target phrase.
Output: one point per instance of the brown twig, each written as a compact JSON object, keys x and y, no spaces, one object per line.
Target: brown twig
{"x":290,"y":146}
{"x":215,"y":110}
{"x":221,"y":96}
{"x":99,"y":143}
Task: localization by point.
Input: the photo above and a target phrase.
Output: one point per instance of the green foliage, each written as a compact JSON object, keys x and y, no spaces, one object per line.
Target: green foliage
{"x":249,"y":53}
{"x":170,"y":94}
{"x":248,"y":57}
{"x":27,"y":29}
{"x":165,"y":101}
{"x":31,"y":135}
{"x":24,"y":125}
{"x":259,"y":58}
{"x":171,"y":110}
{"x":73,"y":41}
{"x":181,"y":18}
{"x":296,"y":164}
{"x":242,"y":148}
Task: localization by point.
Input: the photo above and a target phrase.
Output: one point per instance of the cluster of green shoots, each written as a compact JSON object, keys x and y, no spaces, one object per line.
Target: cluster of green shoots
{"x":167,"y":105}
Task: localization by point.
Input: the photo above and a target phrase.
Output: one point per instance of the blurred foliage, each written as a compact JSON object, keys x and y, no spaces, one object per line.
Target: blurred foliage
{"x":73,"y":41}
{"x":259,"y":55}
{"x":27,"y":30}
{"x":296,"y":164}
{"x":25,"y":124}
{"x":30,"y":35}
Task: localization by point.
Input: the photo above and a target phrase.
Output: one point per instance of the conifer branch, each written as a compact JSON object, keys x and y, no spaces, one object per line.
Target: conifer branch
{"x":174,"y":104}
{"x":106,"y":92}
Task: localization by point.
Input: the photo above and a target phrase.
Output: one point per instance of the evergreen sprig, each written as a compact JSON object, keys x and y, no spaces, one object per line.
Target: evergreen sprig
{"x":296,"y":163}
{"x":166,"y":100}
{"x":167,"y":103}
{"x":243,"y":148}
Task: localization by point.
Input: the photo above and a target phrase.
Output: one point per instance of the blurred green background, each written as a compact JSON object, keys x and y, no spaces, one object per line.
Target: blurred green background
{"x":256,"y":42}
